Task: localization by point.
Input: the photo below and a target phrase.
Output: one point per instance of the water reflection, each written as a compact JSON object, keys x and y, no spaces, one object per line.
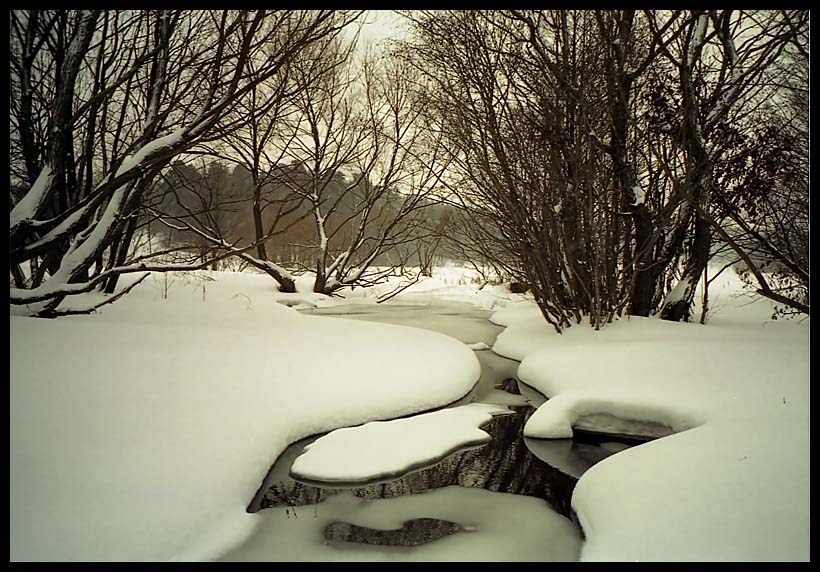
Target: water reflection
{"x":506,"y":464}
{"x":413,"y":532}
{"x":510,"y":463}
{"x":571,"y":457}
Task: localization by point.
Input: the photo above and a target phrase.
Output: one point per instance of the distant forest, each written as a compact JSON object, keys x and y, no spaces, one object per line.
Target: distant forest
{"x":220,"y":194}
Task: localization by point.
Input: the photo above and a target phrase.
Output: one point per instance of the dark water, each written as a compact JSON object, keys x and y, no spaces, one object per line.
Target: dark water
{"x":508,"y":463}
{"x":413,"y":532}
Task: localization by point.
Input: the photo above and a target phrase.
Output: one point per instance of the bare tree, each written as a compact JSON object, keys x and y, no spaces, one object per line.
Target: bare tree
{"x":274,"y":208}
{"x":518,"y":97}
{"x":600,"y":226}
{"x":360,"y":164}
{"x":765,"y":179}
{"x":596,"y":156}
{"x":132,"y":90}
{"x":722,"y":61}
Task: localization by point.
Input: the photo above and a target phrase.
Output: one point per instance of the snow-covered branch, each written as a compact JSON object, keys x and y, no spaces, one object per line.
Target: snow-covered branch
{"x":130,"y":111}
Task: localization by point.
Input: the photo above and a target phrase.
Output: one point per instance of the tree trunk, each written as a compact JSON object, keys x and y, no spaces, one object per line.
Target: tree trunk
{"x":17,"y":274}
{"x":678,"y":304}
{"x":124,"y":245}
{"x":259,"y":230}
{"x":619,"y":99}
{"x":320,"y":283}
{"x":642,"y":294}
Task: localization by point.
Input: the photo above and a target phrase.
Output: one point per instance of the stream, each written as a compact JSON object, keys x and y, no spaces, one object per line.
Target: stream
{"x":509,"y":463}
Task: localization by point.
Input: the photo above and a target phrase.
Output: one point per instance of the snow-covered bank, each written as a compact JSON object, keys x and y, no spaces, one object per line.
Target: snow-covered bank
{"x":142,"y":432}
{"x":734,"y":483}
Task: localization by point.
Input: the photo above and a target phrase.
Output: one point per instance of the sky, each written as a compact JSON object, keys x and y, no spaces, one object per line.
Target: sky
{"x":382,"y":24}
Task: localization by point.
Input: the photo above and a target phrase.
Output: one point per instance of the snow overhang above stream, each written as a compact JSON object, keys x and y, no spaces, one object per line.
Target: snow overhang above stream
{"x":383,"y":450}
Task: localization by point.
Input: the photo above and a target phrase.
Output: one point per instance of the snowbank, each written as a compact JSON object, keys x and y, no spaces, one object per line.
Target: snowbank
{"x":733,"y":483}
{"x":388,"y":449}
{"x":525,"y":331}
{"x":142,"y":432}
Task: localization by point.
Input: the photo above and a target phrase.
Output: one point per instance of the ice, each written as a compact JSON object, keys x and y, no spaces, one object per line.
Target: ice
{"x":496,"y":527}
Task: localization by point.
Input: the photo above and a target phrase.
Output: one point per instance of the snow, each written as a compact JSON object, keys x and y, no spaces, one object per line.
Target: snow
{"x":300,"y":301}
{"x":447,"y":314}
{"x":387,"y":449}
{"x":91,"y":241}
{"x":134,"y":160}
{"x":448,"y":282}
{"x":70,"y":221}
{"x":142,"y":432}
{"x":527,"y":333}
{"x":496,"y":527}
{"x":26,"y":209}
{"x":639,"y":196}
{"x":320,"y":225}
{"x":733,"y":482}
{"x":151,"y":448}
{"x":74,"y":258}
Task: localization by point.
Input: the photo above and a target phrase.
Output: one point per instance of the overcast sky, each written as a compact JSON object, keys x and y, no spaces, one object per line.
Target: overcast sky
{"x":382,"y":24}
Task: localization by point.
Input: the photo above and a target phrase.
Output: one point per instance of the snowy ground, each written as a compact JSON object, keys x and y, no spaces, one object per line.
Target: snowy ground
{"x":733,"y":484}
{"x":142,"y":432}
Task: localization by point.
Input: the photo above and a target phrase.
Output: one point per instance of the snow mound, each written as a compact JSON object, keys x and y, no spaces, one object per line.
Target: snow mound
{"x":162,"y":413}
{"x":733,"y":483}
{"x":389,"y":449}
{"x":525,"y":331}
